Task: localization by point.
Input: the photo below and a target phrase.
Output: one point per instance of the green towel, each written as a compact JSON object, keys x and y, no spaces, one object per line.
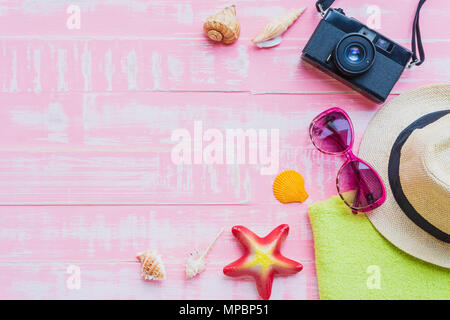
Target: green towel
{"x":354,"y":261}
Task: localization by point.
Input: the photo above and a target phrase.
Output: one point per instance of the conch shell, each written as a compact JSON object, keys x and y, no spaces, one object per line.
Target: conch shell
{"x":276,"y":27}
{"x":195,"y":263}
{"x":223,"y":26}
{"x":152,"y":265}
{"x":289,"y":186}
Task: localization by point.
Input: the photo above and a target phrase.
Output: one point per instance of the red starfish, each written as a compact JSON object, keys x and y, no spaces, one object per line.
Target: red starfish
{"x":262,"y":258}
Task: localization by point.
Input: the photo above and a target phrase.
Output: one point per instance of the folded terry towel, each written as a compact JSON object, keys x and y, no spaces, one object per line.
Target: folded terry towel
{"x":354,"y":261}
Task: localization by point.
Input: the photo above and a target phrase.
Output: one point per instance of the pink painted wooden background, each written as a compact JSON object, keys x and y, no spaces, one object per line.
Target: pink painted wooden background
{"x":86,"y":115}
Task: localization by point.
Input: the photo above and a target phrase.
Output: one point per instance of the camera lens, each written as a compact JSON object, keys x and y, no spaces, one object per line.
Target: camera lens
{"x":354,"y":54}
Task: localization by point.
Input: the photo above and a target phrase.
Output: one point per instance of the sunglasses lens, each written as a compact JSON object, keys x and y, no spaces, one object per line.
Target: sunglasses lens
{"x":359,"y":186}
{"x":331,"y":133}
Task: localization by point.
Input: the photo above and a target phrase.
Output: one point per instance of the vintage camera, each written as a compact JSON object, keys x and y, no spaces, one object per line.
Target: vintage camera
{"x":360,"y":57}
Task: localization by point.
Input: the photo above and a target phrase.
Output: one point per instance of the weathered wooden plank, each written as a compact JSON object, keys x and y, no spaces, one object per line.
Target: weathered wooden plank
{"x":87,"y":116}
{"x":117,"y":233}
{"x":183,"y":20}
{"x":122,"y":281}
{"x":117,"y":148}
{"x":39,"y":243}
{"x":170,"y":65}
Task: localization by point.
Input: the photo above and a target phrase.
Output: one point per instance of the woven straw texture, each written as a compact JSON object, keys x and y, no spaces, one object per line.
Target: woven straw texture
{"x":425,"y":172}
{"x":375,"y":148}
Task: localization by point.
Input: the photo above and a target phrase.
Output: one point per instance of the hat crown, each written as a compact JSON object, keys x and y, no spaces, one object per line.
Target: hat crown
{"x":437,"y":155}
{"x":383,"y":146}
{"x":425,"y":172}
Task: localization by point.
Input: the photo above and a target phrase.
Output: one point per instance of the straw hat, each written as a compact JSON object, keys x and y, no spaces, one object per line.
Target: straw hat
{"x":408,"y":143}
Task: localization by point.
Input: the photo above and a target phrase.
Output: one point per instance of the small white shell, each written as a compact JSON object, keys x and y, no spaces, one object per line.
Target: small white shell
{"x":196,"y":263}
{"x":270,"y":43}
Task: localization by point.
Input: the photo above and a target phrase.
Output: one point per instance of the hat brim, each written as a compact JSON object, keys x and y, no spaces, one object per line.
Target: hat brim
{"x":376,"y":147}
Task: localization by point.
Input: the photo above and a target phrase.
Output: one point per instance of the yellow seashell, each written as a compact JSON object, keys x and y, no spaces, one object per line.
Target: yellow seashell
{"x":152,"y":265}
{"x":223,"y":26}
{"x":289,"y":187}
{"x":278,"y":26}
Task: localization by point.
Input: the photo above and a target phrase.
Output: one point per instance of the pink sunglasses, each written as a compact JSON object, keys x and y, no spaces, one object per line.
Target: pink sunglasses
{"x":358,"y":184}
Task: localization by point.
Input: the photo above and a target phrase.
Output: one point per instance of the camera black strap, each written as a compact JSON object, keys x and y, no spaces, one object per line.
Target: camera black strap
{"x":324,"y":5}
{"x":417,"y":37}
{"x":416,"y":43}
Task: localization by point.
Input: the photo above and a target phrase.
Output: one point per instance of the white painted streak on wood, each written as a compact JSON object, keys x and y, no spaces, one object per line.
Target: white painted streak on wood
{"x":37,"y":68}
{"x":109,"y":69}
{"x":13,"y":85}
{"x":86,"y":67}
{"x":53,"y":119}
{"x":239,"y":65}
{"x":184,"y":14}
{"x":62,"y":70}
{"x":156,"y":70}
{"x":131,"y":70}
{"x":176,"y":68}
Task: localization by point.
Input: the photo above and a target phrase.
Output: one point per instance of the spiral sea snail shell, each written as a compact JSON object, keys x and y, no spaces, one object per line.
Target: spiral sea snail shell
{"x":223,"y":26}
{"x":271,"y":33}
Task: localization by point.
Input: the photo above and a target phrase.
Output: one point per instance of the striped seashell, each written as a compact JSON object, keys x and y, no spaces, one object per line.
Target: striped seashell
{"x":289,"y":187}
{"x":223,"y":27}
{"x":152,"y":266}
